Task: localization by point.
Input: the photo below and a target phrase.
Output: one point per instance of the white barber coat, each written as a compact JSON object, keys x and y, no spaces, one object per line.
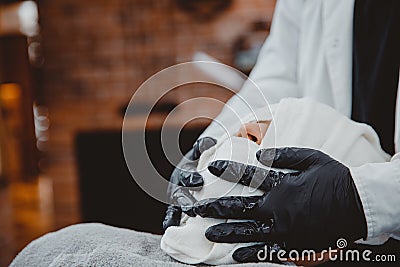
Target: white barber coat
{"x":309,"y":54}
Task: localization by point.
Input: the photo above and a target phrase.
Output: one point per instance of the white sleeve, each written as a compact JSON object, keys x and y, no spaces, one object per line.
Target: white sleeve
{"x":275,"y":73}
{"x":378,"y":185}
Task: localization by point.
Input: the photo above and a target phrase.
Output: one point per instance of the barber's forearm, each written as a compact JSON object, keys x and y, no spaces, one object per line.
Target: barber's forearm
{"x":378,"y":185}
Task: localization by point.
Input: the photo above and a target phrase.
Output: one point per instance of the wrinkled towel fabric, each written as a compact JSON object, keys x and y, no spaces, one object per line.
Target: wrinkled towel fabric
{"x":94,"y":245}
{"x":297,"y":123}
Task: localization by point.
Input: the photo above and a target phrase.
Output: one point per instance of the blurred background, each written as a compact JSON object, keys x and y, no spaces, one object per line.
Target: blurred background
{"x":68,"y":69}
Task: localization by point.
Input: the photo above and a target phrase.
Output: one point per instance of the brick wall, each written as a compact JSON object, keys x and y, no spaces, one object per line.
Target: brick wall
{"x":97,"y":52}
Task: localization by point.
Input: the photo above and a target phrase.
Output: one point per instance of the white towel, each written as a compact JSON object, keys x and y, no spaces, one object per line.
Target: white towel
{"x":296,"y":122}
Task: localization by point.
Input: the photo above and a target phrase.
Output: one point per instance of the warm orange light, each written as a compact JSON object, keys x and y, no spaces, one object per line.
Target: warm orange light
{"x":10,"y":91}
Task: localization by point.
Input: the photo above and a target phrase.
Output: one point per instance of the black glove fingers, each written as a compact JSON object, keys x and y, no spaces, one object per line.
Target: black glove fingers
{"x":185,"y":175}
{"x":191,"y":179}
{"x":247,"y":175}
{"x":234,"y":207}
{"x":202,"y":145}
{"x":291,"y":157}
{"x":172,"y":217}
{"x":184,"y":199}
{"x":258,"y":253}
{"x":234,"y":172}
{"x":273,"y":179}
{"x":240,"y":232}
{"x":230,"y":171}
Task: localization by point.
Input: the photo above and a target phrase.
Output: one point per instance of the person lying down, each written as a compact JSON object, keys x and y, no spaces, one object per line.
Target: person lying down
{"x":296,"y":123}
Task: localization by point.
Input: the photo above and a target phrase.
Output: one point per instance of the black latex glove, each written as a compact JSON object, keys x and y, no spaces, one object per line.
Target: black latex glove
{"x":184,"y":176}
{"x":308,"y":209}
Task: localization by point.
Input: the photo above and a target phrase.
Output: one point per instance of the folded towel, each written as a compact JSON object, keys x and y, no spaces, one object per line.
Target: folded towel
{"x":296,"y":122}
{"x":94,"y":245}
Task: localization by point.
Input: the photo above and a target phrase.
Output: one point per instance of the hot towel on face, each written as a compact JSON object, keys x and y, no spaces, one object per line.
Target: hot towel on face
{"x":297,"y":123}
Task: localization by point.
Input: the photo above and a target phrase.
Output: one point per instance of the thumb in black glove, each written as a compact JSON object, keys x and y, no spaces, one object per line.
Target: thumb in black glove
{"x":183,"y":177}
{"x":308,"y":209}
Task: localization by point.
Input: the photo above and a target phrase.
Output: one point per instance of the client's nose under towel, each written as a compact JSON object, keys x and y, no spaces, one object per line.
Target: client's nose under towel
{"x":296,"y":122}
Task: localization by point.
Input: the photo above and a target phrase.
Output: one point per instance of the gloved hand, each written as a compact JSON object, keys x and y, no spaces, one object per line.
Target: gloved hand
{"x":185,"y":175}
{"x":308,"y":209}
